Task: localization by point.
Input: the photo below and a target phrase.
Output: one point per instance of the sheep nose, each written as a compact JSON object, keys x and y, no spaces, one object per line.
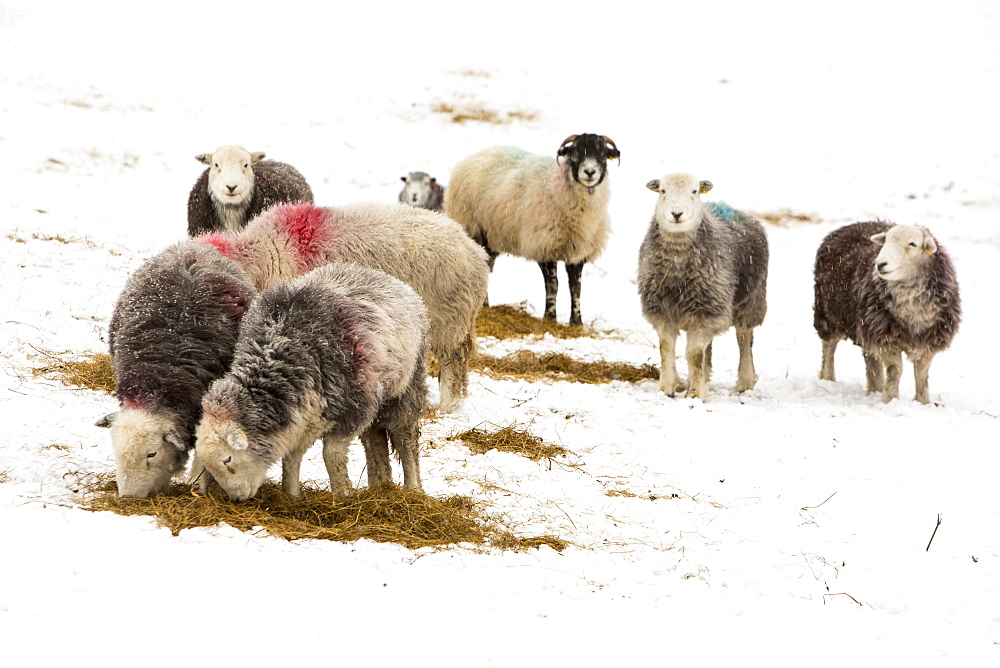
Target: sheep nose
{"x":590,"y":172}
{"x":677,"y":215}
{"x":881,"y":267}
{"x":231,"y":189}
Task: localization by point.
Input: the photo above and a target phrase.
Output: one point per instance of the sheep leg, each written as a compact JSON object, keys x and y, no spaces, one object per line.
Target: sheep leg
{"x":551,"y":288}
{"x":874,"y":373}
{"x":698,"y":342}
{"x":573,"y":274}
{"x":453,"y":374}
{"x":406,"y":443}
{"x":708,"y":362}
{"x":921,"y":370}
{"x":335,"y":458}
{"x":826,"y":371}
{"x":747,"y":376}
{"x":376,"y":442}
{"x":893,"y":371}
{"x":670,"y":384}
{"x":290,"y":467}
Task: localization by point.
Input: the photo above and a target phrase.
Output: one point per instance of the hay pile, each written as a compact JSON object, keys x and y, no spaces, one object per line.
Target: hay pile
{"x":92,"y":371}
{"x":527,"y":365}
{"x":509,"y":439}
{"x":510,"y":321}
{"x":386,"y":513}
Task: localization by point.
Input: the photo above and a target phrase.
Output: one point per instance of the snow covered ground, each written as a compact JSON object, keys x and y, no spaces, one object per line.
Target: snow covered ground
{"x":786,"y":526}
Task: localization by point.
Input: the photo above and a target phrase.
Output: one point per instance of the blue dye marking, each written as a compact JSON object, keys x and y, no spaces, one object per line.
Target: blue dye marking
{"x":722,"y":211}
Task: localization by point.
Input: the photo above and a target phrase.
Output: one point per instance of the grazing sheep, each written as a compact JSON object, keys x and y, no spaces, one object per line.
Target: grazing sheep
{"x":539,"y":208}
{"x":424,"y":249}
{"x":422,"y":190}
{"x":890,"y":289}
{"x":237,"y":186}
{"x":334,"y":354}
{"x":702,"y":269}
{"x":171,"y":334}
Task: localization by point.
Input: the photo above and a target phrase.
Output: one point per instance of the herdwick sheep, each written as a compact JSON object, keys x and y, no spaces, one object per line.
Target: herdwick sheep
{"x":334,"y":354}
{"x":540,"y":208}
{"x":171,"y":334}
{"x":422,"y":190}
{"x":237,"y":186}
{"x":424,"y":249}
{"x":890,"y":289}
{"x":702,"y":269}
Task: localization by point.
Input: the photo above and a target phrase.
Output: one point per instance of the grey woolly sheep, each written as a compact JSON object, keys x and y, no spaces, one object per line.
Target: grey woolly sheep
{"x":544,"y":209}
{"x":171,"y":334}
{"x":334,"y":354}
{"x":702,"y":269}
{"x":237,"y":186}
{"x":422,"y":190}
{"x":890,"y":289}
{"x":422,"y":248}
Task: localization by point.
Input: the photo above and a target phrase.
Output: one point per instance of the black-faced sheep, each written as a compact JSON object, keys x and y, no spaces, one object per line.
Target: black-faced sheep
{"x":171,"y":334}
{"x":334,"y":354}
{"x":237,"y":186}
{"x":890,"y":289}
{"x":422,"y":190}
{"x":702,"y":269}
{"x":537,"y":207}
{"x":422,"y":248}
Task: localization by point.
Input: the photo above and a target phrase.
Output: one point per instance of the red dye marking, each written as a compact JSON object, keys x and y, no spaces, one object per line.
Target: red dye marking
{"x":133,"y":404}
{"x":222,"y":243}
{"x":307,"y":230}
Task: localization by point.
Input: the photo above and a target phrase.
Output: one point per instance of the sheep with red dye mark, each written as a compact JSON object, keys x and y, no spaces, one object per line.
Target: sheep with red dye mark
{"x":172,"y":333}
{"x":237,"y":186}
{"x":422,"y":190}
{"x":890,"y":289}
{"x":335,"y":354}
{"x":425,"y":249}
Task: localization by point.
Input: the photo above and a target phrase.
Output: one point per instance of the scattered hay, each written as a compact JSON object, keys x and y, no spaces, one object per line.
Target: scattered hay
{"x":386,"y":513}
{"x":510,"y":321}
{"x":787,"y":217}
{"x":473,"y":112}
{"x":509,"y":439}
{"x":91,"y":371}
{"x":5,"y":475}
{"x":527,"y":365}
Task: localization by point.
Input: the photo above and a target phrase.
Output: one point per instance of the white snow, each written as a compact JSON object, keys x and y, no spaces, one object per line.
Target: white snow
{"x":786,"y":526}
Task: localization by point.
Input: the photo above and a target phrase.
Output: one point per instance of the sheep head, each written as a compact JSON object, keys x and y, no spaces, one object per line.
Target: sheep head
{"x":149,"y":448}
{"x":223,"y":448}
{"x":905,"y":250}
{"x":419,"y":189}
{"x":230,"y":174}
{"x":588,"y":157}
{"x":679,"y":208}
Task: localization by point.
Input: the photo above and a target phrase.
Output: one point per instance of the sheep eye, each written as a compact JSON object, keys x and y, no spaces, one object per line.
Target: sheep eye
{"x":913,"y":244}
{"x":227,"y":460}
{"x":151,"y":455}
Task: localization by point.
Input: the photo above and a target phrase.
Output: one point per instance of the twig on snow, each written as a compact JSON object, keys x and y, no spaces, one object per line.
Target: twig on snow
{"x":933,"y":534}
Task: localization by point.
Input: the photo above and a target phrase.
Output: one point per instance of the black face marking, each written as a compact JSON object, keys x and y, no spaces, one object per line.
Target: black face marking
{"x":579,"y":148}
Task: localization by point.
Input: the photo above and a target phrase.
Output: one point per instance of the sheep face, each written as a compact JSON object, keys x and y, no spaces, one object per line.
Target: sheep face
{"x":149,"y":451}
{"x":418,"y":190}
{"x":223,"y":448}
{"x":588,"y":157}
{"x":679,"y":208}
{"x":905,"y":251}
{"x":230,"y":175}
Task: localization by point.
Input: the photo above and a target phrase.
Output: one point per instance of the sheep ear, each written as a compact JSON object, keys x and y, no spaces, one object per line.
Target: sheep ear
{"x":237,"y":440}
{"x":930,"y":246}
{"x":433,"y":181}
{"x":654,"y":185}
{"x":204,"y":158}
{"x":878,"y":238}
{"x":173,"y":437}
{"x":403,"y":179}
{"x":106,"y":421}
{"x":705,"y":186}
{"x":257,"y":157}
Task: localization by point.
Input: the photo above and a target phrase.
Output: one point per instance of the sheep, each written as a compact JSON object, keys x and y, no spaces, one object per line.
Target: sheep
{"x":237,"y":186}
{"x":422,"y":190}
{"x":890,"y":289}
{"x":334,"y":354}
{"x":702,"y":269}
{"x":424,"y":249}
{"x":171,"y":334}
{"x":540,"y":208}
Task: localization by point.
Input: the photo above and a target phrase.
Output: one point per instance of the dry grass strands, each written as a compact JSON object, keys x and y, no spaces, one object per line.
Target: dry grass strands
{"x":92,"y":371}
{"x":527,"y":365}
{"x":465,"y":113}
{"x":787,"y":217}
{"x":510,"y":321}
{"x":386,"y":513}
{"x":509,"y":439}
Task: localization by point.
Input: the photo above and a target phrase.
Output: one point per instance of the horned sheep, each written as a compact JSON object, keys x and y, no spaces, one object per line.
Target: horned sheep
{"x":422,"y":190}
{"x":702,"y":269}
{"x":238,"y":185}
{"x":890,"y":289}
{"x":171,"y":334}
{"x":544,"y":209}
{"x":424,"y":249}
{"x":335,"y":354}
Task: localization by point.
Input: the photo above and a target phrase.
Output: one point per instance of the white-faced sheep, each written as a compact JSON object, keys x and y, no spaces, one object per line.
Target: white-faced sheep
{"x":422,"y":248}
{"x":890,"y":289}
{"x":334,"y":354}
{"x":171,"y":334}
{"x":537,"y":207}
{"x":422,"y":190}
{"x":237,"y":186}
{"x":702,"y":269}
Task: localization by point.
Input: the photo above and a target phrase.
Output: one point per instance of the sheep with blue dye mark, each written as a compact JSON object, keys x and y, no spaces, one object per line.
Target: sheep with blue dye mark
{"x":333,"y":355}
{"x":422,"y":190}
{"x":544,"y":209}
{"x":702,"y":269}
{"x":237,"y":186}
{"x":172,"y":333}
{"x":422,"y":248}
{"x":890,"y":289}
